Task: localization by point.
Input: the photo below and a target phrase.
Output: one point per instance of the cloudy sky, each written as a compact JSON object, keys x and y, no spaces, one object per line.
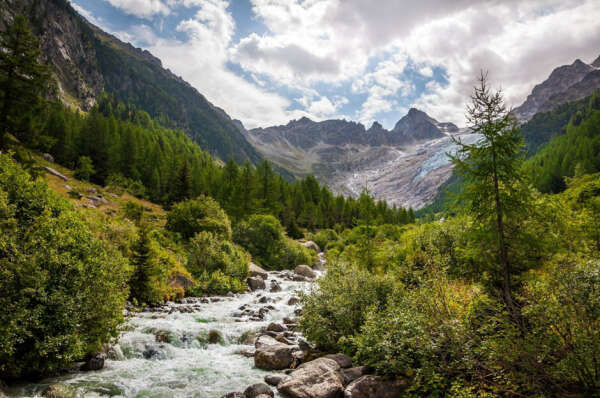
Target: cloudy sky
{"x":268,"y":61}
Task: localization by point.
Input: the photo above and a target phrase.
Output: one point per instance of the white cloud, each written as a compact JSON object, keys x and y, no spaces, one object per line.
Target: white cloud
{"x":141,"y":8}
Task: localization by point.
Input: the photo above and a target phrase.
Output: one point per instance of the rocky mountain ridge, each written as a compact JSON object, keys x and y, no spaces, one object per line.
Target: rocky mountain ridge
{"x":404,"y":165}
{"x":88,"y":62}
{"x":565,"y":84}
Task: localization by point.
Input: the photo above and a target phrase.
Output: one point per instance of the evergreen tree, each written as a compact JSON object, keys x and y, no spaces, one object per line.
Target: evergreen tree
{"x":495,"y":190}
{"x":141,"y":261}
{"x":22,"y":77}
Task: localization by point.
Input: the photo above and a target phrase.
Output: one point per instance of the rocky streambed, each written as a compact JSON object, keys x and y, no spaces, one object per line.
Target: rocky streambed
{"x":245,"y":345}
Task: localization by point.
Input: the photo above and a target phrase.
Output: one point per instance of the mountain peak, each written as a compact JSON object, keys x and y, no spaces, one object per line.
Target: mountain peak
{"x":417,"y":125}
{"x":596,"y":63}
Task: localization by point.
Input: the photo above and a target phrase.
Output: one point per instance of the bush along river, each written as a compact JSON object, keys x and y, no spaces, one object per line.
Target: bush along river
{"x":236,"y":346}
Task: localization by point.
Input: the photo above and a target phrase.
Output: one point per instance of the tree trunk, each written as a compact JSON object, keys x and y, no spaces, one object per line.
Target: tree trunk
{"x":506,"y":289}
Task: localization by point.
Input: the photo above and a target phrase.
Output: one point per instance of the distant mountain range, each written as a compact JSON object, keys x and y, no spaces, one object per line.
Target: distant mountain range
{"x":405,"y":165}
{"x":88,"y":61}
{"x":392,"y":164}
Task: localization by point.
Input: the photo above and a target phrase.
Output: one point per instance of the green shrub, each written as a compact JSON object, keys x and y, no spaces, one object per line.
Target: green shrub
{"x":133,"y":211}
{"x":62,"y":289}
{"x":262,"y":236}
{"x":85,"y":168}
{"x":324,"y":237}
{"x":218,"y":265}
{"x":197,"y":215}
{"x":334,"y":312}
{"x":208,"y":253}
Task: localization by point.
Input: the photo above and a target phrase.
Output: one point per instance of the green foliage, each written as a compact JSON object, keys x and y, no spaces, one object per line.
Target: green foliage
{"x":324,"y":237}
{"x":569,"y":155}
{"x":196,"y":215}
{"x":85,"y":168}
{"x":145,"y":286}
{"x":262,"y":236}
{"x":62,"y":289}
{"x":334,"y":312}
{"x":133,"y":211}
{"x":22,"y":80}
{"x":496,"y":190}
{"x":209,"y":253}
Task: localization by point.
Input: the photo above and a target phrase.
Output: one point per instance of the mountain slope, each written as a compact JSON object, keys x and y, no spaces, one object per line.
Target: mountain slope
{"x":88,"y":61}
{"x":404,"y":165}
{"x":566,"y":83}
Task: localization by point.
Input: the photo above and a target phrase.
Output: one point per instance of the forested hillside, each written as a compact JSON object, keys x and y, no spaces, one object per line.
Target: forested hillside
{"x":87,"y":62}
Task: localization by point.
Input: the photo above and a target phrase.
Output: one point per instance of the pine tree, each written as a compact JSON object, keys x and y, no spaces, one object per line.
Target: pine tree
{"x":141,"y":261}
{"x":496,"y":190}
{"x":22,"y":77}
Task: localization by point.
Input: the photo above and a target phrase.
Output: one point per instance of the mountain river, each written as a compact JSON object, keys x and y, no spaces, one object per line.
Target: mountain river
{"x":166,"y":353}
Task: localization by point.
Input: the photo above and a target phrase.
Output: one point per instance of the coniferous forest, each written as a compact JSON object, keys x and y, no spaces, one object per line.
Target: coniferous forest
{"x":112,"y":222}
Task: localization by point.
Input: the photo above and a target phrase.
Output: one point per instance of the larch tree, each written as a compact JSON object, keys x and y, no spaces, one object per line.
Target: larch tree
{"x":496,"y":190}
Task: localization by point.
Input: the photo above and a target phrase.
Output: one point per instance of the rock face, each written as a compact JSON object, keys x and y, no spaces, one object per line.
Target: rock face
{"x":315,"y":379}
{"x":88,"y":61}
{"x":565,"y":83}
{"x":272,"y":355}
{"x":375,"y":387}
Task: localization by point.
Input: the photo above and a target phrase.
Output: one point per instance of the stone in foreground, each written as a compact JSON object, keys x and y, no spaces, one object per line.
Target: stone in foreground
{"x":375,"y":387}
{"x":315,"y":379}
{"x":258,"y":389}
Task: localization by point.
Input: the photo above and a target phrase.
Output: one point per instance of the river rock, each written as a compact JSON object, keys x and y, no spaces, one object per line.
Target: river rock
{"x":59,"y":391}
{"x":256,"y":283}
{"x":312,"y":245}
{"x":293,"y":301}
{"x":234,"y":395}
{"x":315,"y":379}
{"x":48,"y":158}
{"x":275,"y":287}
{"x":214,"y":337}
{"x":352,"y":374}
{"x":275,"y":379}
{"x":258,"y":389}
{"x":375,"y":387}
{"x":256,"y":271}
{"x":95,"y":362}
{"x":343,"y":360}
{"x":273,"y":355}
{"x":275,"y":327}
{"x":305,"y":270}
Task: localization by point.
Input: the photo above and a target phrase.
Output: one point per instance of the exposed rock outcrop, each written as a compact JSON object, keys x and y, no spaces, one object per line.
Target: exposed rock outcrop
{"x":273,"y":355}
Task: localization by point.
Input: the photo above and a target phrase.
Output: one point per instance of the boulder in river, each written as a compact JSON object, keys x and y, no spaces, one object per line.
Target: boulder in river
{"x":275,"y":379}
{"x":375,"y":387}
{"x":315,"y":379}
{"x":59,"y":391}
{"x":256,"y":271}
{"x":275,"y":327}
{"x":214,"y":337}
{"x":234,"y":395}
{"x":256,"y":283}
{"x":312,"y":245}
{"x":293,"y":301}
{"x":258,"y":389}
{"x":95,"y":362}
{"x":272,"y":355}
{"x":305,"y":271}
{"x":275,"y":287}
